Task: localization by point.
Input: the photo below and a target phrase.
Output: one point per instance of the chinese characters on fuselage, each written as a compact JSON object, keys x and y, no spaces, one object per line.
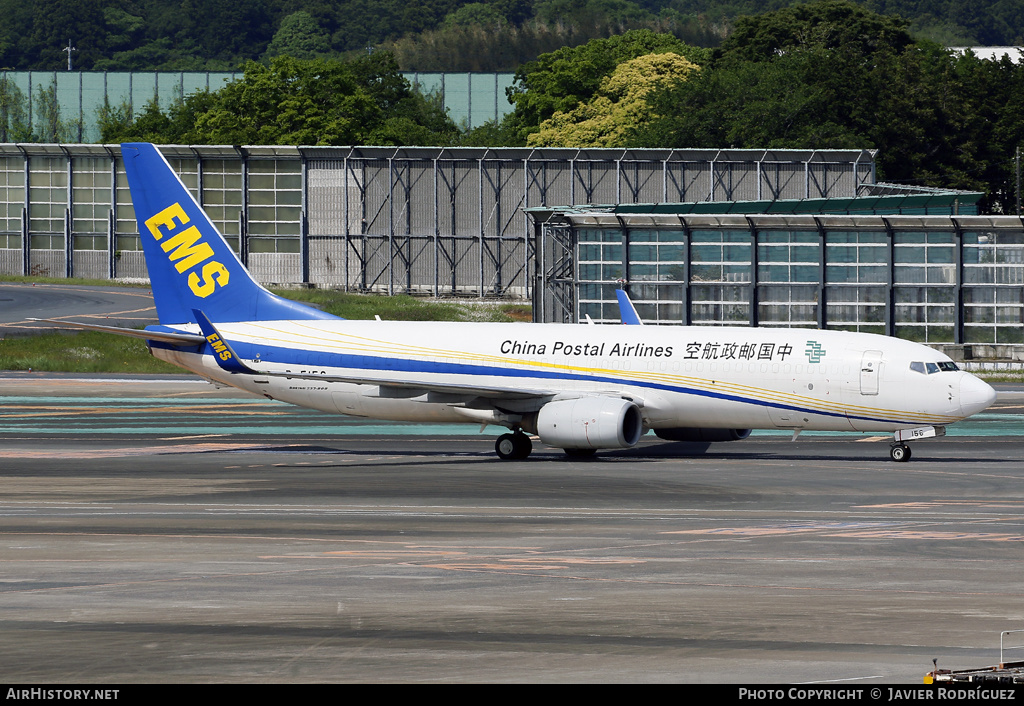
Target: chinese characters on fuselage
{"x":698,"y":350}
{"x":737,"y":351}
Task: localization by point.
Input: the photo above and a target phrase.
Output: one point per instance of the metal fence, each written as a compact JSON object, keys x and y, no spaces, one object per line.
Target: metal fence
{"x":419,"y":220}
{"x":471,"y":99}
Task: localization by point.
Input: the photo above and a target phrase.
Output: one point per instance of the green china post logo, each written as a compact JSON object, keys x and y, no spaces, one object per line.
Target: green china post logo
{"x":814,"y":352}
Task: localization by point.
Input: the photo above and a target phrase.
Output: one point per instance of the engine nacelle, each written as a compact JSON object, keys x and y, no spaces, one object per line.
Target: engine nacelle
{"x":590,"y":423}
{"x":697,"y":434}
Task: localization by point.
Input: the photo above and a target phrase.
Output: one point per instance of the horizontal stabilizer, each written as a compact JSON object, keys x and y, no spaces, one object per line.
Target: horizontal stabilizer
{"x":186,"y":339}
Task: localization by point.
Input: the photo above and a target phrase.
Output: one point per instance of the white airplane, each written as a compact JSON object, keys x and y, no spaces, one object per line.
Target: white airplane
{"x":577,"y":387}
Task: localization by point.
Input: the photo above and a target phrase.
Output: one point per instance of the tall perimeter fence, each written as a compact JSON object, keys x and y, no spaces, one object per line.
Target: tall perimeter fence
{"x":471,"y":99}
{"x":441,"y":221}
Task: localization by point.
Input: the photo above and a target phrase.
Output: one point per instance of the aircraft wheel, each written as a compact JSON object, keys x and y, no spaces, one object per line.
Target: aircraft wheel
{"x":900,"y":453}
{"x":513,"y":447}
{"x":505,"y":447}
{"x":523,"y":444}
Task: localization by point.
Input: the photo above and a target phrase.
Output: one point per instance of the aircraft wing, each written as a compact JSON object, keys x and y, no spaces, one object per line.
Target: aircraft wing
{"x":510,"y":393}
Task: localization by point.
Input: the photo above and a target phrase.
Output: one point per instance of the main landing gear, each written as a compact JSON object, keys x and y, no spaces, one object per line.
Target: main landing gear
{"x":513,"y":447}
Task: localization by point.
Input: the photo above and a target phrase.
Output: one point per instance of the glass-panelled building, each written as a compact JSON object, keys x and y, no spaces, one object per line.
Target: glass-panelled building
{"x":943,"y":280}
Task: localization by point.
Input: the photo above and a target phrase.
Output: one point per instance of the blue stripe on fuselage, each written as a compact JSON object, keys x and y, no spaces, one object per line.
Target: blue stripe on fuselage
{"x":287,"y":356}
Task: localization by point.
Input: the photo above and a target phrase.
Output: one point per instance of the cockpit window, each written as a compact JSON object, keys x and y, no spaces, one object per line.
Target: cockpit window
{"x":929,"y":368}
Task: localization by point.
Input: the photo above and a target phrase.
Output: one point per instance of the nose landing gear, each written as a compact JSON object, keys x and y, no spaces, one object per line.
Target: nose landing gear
{"x":899,"y":452}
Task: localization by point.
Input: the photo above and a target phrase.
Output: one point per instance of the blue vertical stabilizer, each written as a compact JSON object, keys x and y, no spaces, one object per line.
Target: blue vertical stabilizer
{"x":190,"y":264}
{"x":627,"y":312}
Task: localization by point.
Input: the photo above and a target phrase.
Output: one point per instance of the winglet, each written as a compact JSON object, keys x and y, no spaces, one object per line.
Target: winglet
{"x":627,"y":312}
{"x":226,"y":357}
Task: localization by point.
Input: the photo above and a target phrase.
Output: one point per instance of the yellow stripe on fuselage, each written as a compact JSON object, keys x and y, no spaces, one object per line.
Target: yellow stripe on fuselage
{"x":314,"y":339}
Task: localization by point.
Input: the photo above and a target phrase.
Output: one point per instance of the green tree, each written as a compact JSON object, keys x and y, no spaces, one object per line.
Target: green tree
{"x":227,"y":29}
{"x":49,"y":127}
{"x":786,"y":103}
{"x":858,"y":82}
{"x":289,"y":102}
{"x":163,"y":54}
{"x":296,"y":102}
{"x":619,"y":108}
{"x":827,"y":24}
{"x":176,"y":126}
{"x":993,"y":97}
{"x":300,"y":36}
{"x":13,"y":113}
{"x":561,"y":80}
{"x":55,"y":23}
{"x":611,"y":13}
{"x":493,"y":133}
{"x":124,"y":29}
{"x":475,"y":13}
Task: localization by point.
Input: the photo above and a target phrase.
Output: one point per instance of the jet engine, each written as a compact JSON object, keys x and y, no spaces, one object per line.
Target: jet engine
{"x":590,"y":423}
{"x":697,"y":434}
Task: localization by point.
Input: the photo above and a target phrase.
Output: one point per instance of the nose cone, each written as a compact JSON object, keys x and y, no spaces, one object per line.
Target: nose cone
{"x":975,"y":395}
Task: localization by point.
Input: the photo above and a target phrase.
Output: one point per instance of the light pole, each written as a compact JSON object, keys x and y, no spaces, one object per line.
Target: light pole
{"x":69,"y":49}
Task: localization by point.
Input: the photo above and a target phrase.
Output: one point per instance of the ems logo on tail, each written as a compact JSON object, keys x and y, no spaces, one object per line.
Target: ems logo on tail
{"x":186,"y":249}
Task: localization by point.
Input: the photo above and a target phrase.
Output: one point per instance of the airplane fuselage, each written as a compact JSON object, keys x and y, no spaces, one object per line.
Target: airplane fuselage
{"x":700,"y":377}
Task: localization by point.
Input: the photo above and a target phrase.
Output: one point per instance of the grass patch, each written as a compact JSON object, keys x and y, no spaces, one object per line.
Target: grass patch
{"x":1000,"y":376}
{"x":72,"y":281}
{"x":80,"y":352}
{"x":402,"y":307}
